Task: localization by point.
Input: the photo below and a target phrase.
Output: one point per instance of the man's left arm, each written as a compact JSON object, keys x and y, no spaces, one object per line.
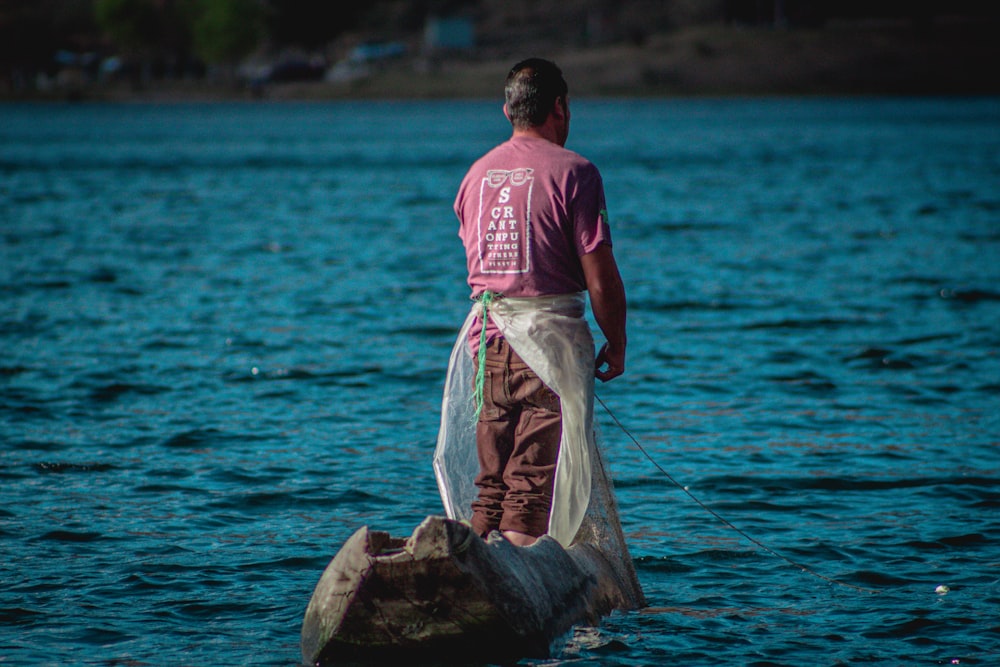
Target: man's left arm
{"x":607,"y":300}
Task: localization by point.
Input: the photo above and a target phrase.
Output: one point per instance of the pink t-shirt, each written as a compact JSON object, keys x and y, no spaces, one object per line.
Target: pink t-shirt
{"x":528,"y":210}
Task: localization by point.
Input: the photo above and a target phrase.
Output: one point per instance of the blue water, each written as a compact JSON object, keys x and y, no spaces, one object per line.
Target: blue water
{"x":224,"y":332}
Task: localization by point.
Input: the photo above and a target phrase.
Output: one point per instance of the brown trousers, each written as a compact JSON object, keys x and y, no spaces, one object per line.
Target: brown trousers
{"x":517,"y":439}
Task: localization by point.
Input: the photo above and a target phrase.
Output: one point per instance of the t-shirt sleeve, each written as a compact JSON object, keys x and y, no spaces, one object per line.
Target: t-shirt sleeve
{"x":589,"y":212}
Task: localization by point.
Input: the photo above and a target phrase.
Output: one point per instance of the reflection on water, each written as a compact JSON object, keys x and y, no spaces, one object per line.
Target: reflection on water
{"x":226,"y":328}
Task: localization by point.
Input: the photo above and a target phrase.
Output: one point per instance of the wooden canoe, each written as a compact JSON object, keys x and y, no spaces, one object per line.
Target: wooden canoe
{"x":444,"y":593}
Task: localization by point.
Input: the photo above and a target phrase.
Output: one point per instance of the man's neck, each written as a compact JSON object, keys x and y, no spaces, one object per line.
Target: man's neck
{"x":546,"y":132}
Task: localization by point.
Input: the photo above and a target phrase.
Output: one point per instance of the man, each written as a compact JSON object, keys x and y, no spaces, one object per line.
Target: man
{"x":534,"y":224}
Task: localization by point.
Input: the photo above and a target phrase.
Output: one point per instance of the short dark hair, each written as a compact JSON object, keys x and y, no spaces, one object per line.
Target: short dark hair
{"x":531,"y":90}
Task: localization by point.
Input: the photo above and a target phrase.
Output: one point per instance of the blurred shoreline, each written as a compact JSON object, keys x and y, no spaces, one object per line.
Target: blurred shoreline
{"x":888,"y":58}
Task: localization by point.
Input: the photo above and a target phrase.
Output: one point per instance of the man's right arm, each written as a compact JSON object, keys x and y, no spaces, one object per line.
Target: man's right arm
{"x":607,"y":300}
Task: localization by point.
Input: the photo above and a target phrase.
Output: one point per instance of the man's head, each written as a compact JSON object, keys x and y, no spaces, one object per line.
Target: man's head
{"x":532,"y":89}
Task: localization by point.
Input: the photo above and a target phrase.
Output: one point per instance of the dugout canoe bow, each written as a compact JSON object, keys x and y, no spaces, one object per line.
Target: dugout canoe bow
{"x":444,"y":593}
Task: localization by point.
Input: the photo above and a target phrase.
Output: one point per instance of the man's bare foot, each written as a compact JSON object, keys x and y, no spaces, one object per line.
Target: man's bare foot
{"x":519,"y":539}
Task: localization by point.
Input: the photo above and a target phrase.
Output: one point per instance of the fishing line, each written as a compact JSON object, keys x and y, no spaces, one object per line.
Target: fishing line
{"x":721,"y":518}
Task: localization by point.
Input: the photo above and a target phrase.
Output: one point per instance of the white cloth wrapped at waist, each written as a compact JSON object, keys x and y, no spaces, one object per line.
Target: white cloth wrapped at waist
{"x":551,"y":335}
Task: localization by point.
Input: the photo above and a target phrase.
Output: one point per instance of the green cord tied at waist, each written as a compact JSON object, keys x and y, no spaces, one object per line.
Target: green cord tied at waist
{"x":486,"y":298}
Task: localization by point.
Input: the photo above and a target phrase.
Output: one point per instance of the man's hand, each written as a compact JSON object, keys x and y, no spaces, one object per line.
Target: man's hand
{"x":614,"y":361}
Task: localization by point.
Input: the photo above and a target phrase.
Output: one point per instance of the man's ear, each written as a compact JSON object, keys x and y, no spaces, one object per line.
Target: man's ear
{"x":505,"y":112}
{"x":559,"y":108}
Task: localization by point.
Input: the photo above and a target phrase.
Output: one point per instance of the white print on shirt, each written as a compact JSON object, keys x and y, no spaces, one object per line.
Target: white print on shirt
{"x":504,"y":221}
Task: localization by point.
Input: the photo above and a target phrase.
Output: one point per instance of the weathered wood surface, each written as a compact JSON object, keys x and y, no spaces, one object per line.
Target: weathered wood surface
{"x":444,"y":593}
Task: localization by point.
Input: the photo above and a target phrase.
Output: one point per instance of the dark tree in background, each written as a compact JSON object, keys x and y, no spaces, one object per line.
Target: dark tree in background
{"x":311,"y":25}
{"x":133,"y":25}
{"x":225,"y":31}
{"x":31,"y":33}
{"x":308,"y":24}
{"x":154,"y":37}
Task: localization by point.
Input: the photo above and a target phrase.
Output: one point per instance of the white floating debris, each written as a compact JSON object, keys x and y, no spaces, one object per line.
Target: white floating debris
{"x":942,"y":590}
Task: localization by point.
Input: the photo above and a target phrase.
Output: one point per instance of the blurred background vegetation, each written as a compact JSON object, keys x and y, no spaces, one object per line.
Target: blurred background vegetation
{"x":67,"y":46}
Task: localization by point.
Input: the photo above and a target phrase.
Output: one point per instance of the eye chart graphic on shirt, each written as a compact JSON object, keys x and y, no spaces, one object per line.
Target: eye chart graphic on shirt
{"x":504,"y":221}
